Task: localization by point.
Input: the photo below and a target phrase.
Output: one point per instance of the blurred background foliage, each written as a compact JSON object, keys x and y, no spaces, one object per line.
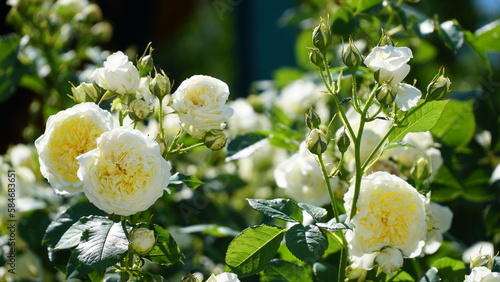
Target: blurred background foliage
{"x":243,"y":41}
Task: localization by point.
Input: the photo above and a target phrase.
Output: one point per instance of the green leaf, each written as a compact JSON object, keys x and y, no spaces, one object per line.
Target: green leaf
{"x":166,"y":251}
{"x":420,"y":120}
{"x":430,"y":275}
{"x":283,"y":209}
{"x":75,"y":269}
{"x":400,"y":275}
{"x":446,"y":186}
{"x":325,"y":272}
{"x":492,"y":219}
{"x":344,"y":22}
{"x":307,"y":243}
{"x":317,"y":213}
{"x":457,"y":124}
{"x":65,"y":220}
{"x":452,"y":34}
{"x":190,"y":181}
{"x":450,"y":269}
{"x":282,"y":270}
{"x":487,"y":36}
{"x":334,"y":226}
{"x":212,"y":229}
{"x":71,"y":238}
{"x":363,"y":5}
{"x":252,"y":250}
{"x":244,"y":145}
{"x":103,"y":245}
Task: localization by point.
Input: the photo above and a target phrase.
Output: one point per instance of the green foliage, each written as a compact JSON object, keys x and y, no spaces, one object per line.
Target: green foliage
{"x":282,"y":270}
{"x":283,"y":209}
{"x":252,"y":250}
{"x":307,"y":243}
{"x":244,"y":145}
{"x":189,"y":180}
{"x":419,"y":120}
{"x":457,"y":124}
{"x":166,"y":251}
{"x":450,"y":269}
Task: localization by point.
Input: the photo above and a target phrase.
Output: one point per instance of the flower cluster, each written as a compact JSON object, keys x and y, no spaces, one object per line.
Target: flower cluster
{"x":122,"y":170}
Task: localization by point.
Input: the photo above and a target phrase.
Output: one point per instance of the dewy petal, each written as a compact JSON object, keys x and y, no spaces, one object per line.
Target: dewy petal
{"x":407,"y":96}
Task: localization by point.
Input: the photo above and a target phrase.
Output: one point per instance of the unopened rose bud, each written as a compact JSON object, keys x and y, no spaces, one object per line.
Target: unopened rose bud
{"x":343,"y":142}
{"x":139,"y":110}
{"x":316,"y":141}
{"x":390,"y":259}
{"x":142,"y":240}
{"x":420,"y":171}
{"x":322,"y":35}
{"x":439,"y":87}
{"x":160,"y":85}
{"x":385,"y":40}
{"x":482,"y":260}
{"x":312,"y":119}
{"x":316,"y":57}
{"x":85,"y":92}
{"x":385,"y":94}
{"x":215,"y":139}
{"x":145,"y":63}
{"x":351,"y":56}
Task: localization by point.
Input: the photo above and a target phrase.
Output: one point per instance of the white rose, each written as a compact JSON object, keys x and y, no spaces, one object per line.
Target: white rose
{"x":200,"y":102}
{"x":482,"y":274}
{"x":439,"y":222}
{"x":391,"y":213}
{"x":296,"y":98}
{"x":390,"y":62}
{"x":407,"y":96}
{"x":301,"y":177}
{"x":125,"y":174}
{"x":118,"y":75}
{"x":223,"y":277}
{"x":69,"y":134}
{"x":481,"y":253}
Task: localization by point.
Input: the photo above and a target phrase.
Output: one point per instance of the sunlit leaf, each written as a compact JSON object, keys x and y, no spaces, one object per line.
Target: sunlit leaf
{"x":282,"y":270}
{"x":166,"y":251}
{"x":452,"y":34}
{"x":252,"y":250}
{"x":244,"y":145}
{"x":307,"y":243}
{"x":283,"y":209}
{"x":450,"y":269}
{"x":457,"y":124}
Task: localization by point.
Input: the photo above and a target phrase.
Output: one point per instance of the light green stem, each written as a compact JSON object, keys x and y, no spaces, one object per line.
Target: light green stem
{"x":330,"y":191}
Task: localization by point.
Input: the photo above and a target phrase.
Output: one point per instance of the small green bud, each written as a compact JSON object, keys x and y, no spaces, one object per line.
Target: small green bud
{"x":145,"y":63}
{"x":322,"y":35}
{"x":85,"y":92}
{"x":420,"y":171}
{"x":351,"y":56}
{"x":215,"y":139}
{"x":385,"y":94}
{"x":142,"y":240}
{"x":316,"y":141}
{"x":439,"y":86}
{"x":139,"y":110}
{"x":343,"y":142}
{"x":160,"y":85}
{"x":316,"y":57}
{"x":385,"y":39}
{"x":312,"y":119}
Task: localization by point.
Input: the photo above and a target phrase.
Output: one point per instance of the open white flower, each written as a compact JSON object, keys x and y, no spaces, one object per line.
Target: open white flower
{"x":301,"y":177}
{"x":125,"y":174}
{"x":407,"y":96}
{"x":200,"y":102}
{"x":390,"y":213}
{"x":69,"y":134}
{"x":482,"y":274}
{"x":118,"y":75}
{"x":390,"y":62}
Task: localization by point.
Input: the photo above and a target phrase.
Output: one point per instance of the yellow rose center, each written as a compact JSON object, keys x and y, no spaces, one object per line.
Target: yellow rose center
{"x":198,"y":94}
{"x":122,"y":172}
{"x":74,"y":136}
{"x":389,"y":218}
